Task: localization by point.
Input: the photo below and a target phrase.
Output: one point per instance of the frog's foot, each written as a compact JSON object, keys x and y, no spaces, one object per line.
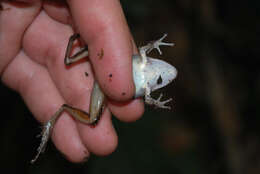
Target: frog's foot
{"x":156,"y":44}
{"x":45,"y":134}
{"x":157,"y":102}
{"x":78,"y":114}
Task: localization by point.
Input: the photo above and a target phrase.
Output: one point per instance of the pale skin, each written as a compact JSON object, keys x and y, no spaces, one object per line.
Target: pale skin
{"x":33,"y":40}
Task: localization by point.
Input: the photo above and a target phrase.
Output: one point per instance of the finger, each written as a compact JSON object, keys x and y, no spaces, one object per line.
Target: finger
{"x":11,"y":31}
{"x":32,"y":81}
{"x":28,"y":1}
{"x":127,"y":111}
{"x":58,"y":10}
{"x":72,"y":82}
{"x":102,"y":139}
{"x":102,"y":25}
{"x":130,"y":110}
{"x":118,"y":108}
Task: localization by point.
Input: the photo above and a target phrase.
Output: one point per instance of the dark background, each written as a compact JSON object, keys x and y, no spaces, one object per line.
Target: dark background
{"x":213,"y":126}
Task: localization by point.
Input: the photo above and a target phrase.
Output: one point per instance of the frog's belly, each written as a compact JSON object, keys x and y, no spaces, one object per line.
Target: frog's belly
{"x":139,"y":84}
{"x":139,"y":77}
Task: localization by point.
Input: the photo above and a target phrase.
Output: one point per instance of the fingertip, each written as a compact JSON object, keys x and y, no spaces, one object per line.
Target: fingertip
{"x":78,"y":156}
{"x":101,"y":139}
{"x":68,"y":140}
{"x":109,"y":41}
{"x":111,"y":57}
{"x":105,"y":145}
{"x":127,"y":111}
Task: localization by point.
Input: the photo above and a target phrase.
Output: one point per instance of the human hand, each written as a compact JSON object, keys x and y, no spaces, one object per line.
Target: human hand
{"x":33,"y":39}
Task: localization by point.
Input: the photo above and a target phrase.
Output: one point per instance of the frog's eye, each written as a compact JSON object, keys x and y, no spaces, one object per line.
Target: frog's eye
{"x":159,"y":80}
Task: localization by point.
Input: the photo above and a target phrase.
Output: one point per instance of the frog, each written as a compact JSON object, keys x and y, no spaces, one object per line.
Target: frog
{"x":149,"y":74}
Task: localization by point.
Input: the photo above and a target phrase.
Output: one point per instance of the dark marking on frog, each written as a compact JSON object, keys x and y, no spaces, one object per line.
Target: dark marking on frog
{"x":159,"y":80}
{"x":100,"y":54}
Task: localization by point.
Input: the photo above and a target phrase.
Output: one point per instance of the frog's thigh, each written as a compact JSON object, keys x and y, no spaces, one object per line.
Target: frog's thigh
{"x":78,"y":114}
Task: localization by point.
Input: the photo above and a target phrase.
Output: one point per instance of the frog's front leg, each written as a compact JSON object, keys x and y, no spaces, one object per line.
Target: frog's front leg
{"x":157,"y":102}
{"x":152,"y":45}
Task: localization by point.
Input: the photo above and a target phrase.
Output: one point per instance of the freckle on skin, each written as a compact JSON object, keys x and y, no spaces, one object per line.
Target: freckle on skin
{"x":86,"y":74}
{"x":100,"y":54}
{"x":110,"y":77}
{"x":123,"y":93}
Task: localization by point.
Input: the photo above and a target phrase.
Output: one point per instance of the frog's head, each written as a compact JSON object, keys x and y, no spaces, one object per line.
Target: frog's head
{"x":159,"y":73}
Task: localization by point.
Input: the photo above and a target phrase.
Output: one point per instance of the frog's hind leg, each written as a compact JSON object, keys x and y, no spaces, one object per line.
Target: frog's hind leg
{"x":83,"y":52}
{"x":48,"y":126}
